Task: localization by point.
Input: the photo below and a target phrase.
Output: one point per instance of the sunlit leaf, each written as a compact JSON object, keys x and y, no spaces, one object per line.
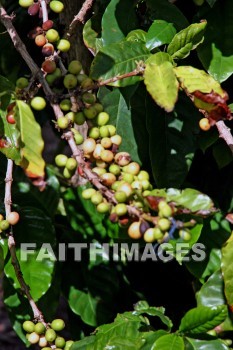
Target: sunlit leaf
{"x":159,"y":33}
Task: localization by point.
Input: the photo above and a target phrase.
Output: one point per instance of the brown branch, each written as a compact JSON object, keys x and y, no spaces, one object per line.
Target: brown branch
{"x":225,"y":134}
{"x":80,"y":17}
{"x":11,"y":244}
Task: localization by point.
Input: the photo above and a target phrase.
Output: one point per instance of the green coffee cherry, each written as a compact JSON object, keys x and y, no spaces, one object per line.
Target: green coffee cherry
{"x":99,"y":171}
{"x":68,"y":344}
{"x":4,"y":225}
{"x":71,"y":164}
{"x":149,"y":235}
{"x":103,"y":208}
{"x":78,"y":138}
{"x":132,"y":168}
{"x":63,"y":45}
{"x":22,"y":83}
{"x":70,"y":81}
{"x":38,"y":103}
{"x":97,"y":198}
{"x":75,"y":67}
{"x":67,"y":173}
{"x":81,"y":78}
{"x":164,"y":224}
{"x":65,"y":105}
{"x":143,"y":175}
{"x":121,"y":209}
{"x":157,"y":233}
{"x":58,"y":324}
{"x":86,"y":83}
{"x":102,"y":118}
{"x":28,"y":326}
{"x":26,"y":3}
{"x":90,"y":113}
{"x":50,"y":335}
{"x":60,"y":342}
{"x":62,"y":122}
{"x":89,"y":98}
{"x":39,"y":328}
{"x":70,"y":116}
{"x":79,"y":118}
{"x":56,"y":6}
{"x":61,"y":160}
{"x":99,"y":107}
{"x":52,"y":35}
{"x":104,"y":131}
{"x":94,"y":133}
{"x":165,"y":211}
{"x":115,"y":169}
{"x":185,"y":234}
{"x":128,"y":178}
{"x":88,"y":193}
{"x":111,"y":129}
{"x":120,"y":196}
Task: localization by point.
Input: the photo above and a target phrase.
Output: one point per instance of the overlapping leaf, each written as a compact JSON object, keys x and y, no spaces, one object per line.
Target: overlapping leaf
{"x":227,"y":269}
{"x":186,"y":40}
{"x":196,"y":344}
{"x":169,"y":342}
{"x":159,"y":33}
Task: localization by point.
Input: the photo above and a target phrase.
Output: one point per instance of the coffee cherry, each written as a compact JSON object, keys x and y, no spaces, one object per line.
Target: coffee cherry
{"x":111,"y":129}
{"x":50,"y":335}
{"x":128,"y":178}
{"x":79,"y":118}
{"x":101,"y":164}
{"x":116,"y":139}
{"x":61,"y":160}
{"x":78,"y":138}
{"x":75,"y":67}
{"x":26,"y":3}
{"x":102,"y":118}
{"x":68,"y":344}
{"x":103,"y":208}
{"x":47,"y":25}
{"x":99,"y":171}
{"x":89,"y":145}
{"x":94,"y":133}
{"x":121,"y":209}
{"x":46,"y":348}
{"x":164,"y":224}
{"x":13,"y":218}
{"x":89,"y":98}
{"x":40,"y":40}
{"x":65,"y":105}
{"x":99,"y":107}
{"x":132,"y":168}
{"x":10,"y":118}
{"x":108,"y":179}
{"x":106,"y":142}
{"x":107,"y":156}
{"x":145,"y":184}
{"x":81,"y":78}
{"x":115,"y":185}
{"x":157,"y":233}
{"x":88,"y":193}
{"x":120,"y":196}
{"x":204,"y":124}
{"x":97,"y":152}
{"x":34,"y":9}
{"x":63,"y":45}
{"x":87,"y":83}
{"x":67,"y":173}
{"x":104,"y":131}
{"x":70,"y":116}
{"x":185,"y":234}
{"x":136,"y":185}
{"x":28,"y":326}
{"x":165,"y":211}
{"x":149,"y":236}
{"x":143,"y":175}
{"x":43,"y":342}
{"x":60,"y":342}
{"x":39,"y":328}
{"x":56,"y":6}
{"x":97,"y":198}
{"x":90,"y":113}
{"x":71,"y":164}
{"x":38,"y":103}
{"x":126,"y":188}
{"x":62,"y":123}
{"x":122,"y":158}
{"x":58,"y":325}
{"x":33,"y":338}
{"x":22,"y":83}
{"x":52,"y":35}
{"x":134,"y":230}
{"x":4,"y":225}
{"x":48,"y":50}
{"x":70,"y":81}
{"x":115,"y":169}
{"x":49,"y":66}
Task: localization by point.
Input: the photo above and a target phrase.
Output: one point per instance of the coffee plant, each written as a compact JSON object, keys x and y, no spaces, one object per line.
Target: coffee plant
{"x":115,"y":131}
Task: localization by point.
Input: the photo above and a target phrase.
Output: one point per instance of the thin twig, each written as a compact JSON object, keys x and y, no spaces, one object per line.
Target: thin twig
{"x":225,"y":134}
{"x":44,"y":10}
{"x":11,"y":244}
{"x":80,"y":17}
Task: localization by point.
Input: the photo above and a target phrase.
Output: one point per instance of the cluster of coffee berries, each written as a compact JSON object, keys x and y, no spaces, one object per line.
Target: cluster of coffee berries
{"x":46,"y":335}
{"x":34,"y":7}
{"x":69,"y":165}
{"x":12,"y":219}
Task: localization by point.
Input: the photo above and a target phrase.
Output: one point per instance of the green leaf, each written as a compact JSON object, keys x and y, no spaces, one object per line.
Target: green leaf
{"x":222,"y":154}
{"x":159,"y":33}
{"x":161,"y":81}
{"x":137,"y":35}
{"x":34,"y":228}
{"x":190,"y":199}
{"x":211,"y":293}
{"x":186,"y":40}
{"x":6,"y":85}
{"x":206,"y":344}
{"x":90,"y":37}
{"x":142,"y":307}
{"x":10,"y":134}
{"x":203,"y":319}
{"x":171,"y":156}
{"x":84,"y":344}
{"x":117,"y":59}
{"x":220,"y":67}
{"x":162,"y":9}
{"x":31,"y":139}
{"x":169,"y":342}
{"x":1,"y":260}
{"x":193,"y":79}
{"x":151,"y":337}
{"x":227,"y":270}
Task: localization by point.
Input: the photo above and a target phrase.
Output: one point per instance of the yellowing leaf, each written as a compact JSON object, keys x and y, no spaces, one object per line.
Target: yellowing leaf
{"x":193,"y":79}
{"x":161,"y":82}
{"x":32,"y":143}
